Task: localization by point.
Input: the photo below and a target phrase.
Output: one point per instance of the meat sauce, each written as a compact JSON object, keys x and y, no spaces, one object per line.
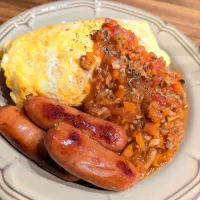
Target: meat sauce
{"x":135,"y":88}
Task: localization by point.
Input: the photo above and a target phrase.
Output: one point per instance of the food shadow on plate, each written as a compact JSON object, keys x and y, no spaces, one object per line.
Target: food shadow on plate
{"x":33,"y":167}
{"x":81,"y":184}
{"x":5,"y":91}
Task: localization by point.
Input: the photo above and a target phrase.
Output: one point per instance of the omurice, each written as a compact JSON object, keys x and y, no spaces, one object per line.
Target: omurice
{"x":46,"y":61}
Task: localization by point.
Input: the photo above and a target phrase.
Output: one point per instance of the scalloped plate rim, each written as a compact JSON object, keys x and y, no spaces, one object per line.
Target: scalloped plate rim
{"x":163,"y":23}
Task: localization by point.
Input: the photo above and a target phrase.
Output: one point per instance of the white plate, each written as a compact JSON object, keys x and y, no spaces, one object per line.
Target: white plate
{"x":22,"y":179}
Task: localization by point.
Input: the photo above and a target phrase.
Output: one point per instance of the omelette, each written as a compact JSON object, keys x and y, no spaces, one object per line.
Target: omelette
{"x":46,"y":61}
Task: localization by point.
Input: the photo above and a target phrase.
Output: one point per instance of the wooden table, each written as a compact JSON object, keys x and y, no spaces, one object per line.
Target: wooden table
{"x":183,"y":14}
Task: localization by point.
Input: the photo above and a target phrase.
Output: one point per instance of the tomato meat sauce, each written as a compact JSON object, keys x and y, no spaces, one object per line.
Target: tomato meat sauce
{"x":135,"y":88}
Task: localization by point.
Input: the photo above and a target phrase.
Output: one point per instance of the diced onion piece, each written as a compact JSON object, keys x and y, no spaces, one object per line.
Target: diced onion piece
{"x":115,"y":64}
{"x":170,"y":119}
{"x":171,"y":113}
{"x":158,"y":160}
{"x":108,"y":79}
{"x":169,"y":145}
{"x":154,"y":142}
{"x":161,"y":142}
{"x":104,"y":113}
{"x":150,"y":158}
{"x":147,"y":137}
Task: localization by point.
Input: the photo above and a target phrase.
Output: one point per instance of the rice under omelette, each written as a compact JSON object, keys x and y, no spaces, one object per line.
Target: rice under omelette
{"x":46,"y":61}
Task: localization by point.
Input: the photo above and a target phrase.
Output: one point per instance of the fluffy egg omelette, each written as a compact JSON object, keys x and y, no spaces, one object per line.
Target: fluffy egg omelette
{"x":46,"y":61}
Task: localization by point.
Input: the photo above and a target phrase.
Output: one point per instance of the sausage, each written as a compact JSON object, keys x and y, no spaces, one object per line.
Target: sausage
{"x":46,"y":112}
{"x":88,"y":160}
{"x":25,"y":136}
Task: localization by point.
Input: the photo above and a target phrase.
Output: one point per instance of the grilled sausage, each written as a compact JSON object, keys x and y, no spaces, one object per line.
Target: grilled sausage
{"x":25,"y":136}
{"x":46,"y":112}
{"x":88,"y":160}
